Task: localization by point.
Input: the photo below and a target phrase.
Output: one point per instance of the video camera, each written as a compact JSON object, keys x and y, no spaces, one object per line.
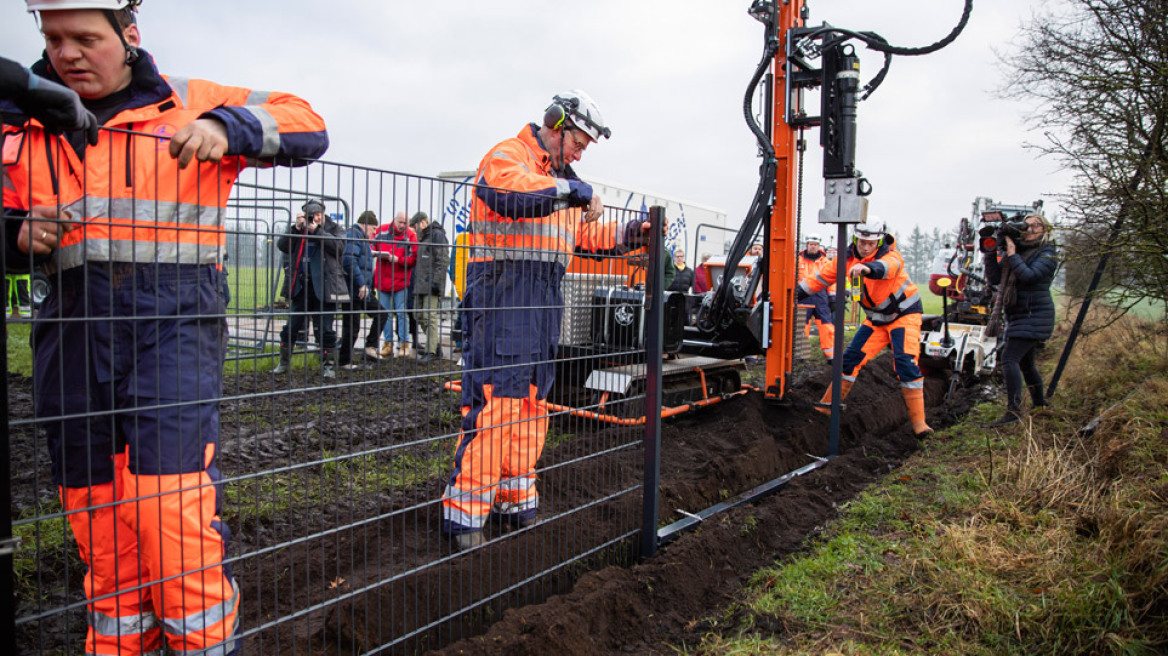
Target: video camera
{"x":996,"y":227}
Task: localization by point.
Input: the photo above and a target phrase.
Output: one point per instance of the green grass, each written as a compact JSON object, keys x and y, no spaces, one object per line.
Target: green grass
{"x":1036,"y":540}
{"x":251,"y":288}
{"x":368,"y":474}
{"x":19,"y":353}
{"x":43,"y":543}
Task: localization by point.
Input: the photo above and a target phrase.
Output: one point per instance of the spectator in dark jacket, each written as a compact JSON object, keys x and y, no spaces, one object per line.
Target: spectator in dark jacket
{"x":1024,"y":276}
{"x":429,"y":282}
{"x":357,"y":263}
{"x":316,"y":281}
{"x":683,"y":279}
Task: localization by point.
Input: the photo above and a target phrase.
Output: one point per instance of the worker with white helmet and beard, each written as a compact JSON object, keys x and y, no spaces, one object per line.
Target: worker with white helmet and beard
{"x":811,"y":260}
{"x":893,"y":310}
{"x":128,"y":347}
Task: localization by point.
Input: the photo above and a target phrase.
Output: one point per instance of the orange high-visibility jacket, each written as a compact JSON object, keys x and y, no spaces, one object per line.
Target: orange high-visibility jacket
{"x":810,"y":266}
{"x":887,"y":295}
{"x":129,"y":198}
{"x":522,"y":210}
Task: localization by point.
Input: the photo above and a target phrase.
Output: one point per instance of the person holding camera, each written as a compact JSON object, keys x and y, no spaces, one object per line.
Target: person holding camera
{"x":429,"y":282}
{"x":1023,"y":276}
{"x":315,"y":244}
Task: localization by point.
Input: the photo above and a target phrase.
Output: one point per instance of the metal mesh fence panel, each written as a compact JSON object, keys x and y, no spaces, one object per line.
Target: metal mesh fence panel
{"x":147,"y":417}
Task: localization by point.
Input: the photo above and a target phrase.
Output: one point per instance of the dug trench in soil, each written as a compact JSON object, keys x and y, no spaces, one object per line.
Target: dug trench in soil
{"x":705,"y":457}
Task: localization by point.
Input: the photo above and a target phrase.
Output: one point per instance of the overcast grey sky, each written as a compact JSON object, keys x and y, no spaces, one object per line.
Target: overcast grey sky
{"x":429,"y":87}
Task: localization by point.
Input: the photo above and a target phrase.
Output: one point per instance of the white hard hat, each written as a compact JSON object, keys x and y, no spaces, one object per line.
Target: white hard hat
{"x":812,"y":238}
{"x":580,"y":110}
{"x":873,"y":229}
{"x":58,"y":5}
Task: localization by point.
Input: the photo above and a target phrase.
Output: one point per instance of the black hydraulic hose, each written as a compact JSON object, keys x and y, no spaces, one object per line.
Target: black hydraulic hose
{"x":718,"y":315}
{"x":878,"y":43}
{"x":768,"y":54}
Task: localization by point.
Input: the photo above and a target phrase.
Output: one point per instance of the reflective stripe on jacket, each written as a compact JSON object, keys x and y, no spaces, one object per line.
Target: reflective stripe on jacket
{"x":809,"y":266}
{"x":523,"y":211}
{"x":887,"y":295}
{"x":129,"y":199}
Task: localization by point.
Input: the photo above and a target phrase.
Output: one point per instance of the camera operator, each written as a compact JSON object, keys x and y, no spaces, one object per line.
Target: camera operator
{"x":1023,"y":276}
{"x":316,"y":284}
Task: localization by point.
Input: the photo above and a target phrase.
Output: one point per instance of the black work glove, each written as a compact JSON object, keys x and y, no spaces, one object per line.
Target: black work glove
{"x":57,"y":106}
{"x":634,"y":234}
{"x":800,"y":293}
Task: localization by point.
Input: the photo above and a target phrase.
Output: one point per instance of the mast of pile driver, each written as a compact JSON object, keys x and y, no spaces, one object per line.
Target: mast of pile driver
{"x":780,"y":233}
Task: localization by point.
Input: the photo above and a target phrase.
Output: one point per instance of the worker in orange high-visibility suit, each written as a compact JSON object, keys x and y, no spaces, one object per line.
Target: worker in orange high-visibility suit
{"x":893,"y":308}
{"x":811,"y":259}
{"x":128,"y":347}
{"x":529,"y":213}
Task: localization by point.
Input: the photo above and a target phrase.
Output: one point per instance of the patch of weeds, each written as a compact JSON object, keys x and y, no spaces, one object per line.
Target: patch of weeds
{"x":398,"y":470}
{"x":265,"y":496}
{"x":556,"y":437}
{"x":45,"y":543}
{"x":749,"y":525}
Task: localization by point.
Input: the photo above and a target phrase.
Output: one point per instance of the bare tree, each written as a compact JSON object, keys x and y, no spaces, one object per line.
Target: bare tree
{"x":1099,"y":71}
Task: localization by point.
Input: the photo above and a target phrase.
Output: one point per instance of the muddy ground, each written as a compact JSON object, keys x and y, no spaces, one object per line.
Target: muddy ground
{"x":646,"y":608}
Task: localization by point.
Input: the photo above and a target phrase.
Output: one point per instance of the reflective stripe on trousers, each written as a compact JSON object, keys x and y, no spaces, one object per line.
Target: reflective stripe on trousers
{"x":904,"y":338}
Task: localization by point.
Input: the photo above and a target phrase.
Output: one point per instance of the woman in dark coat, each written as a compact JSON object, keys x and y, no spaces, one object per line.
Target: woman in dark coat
{"x":1024,"y":277}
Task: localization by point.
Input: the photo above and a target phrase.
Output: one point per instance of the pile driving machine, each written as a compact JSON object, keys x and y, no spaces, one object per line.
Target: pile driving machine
{"x":751,"y":308}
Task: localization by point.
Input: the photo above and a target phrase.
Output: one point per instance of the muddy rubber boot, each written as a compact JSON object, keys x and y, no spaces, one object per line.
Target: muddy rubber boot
{"x":824,"y":405}
{"x":285,"y":360}
{"x":467,"y":541}
{"x":914,"y":399}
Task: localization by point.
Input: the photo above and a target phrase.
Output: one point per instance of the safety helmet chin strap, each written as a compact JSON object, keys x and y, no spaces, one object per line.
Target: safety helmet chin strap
{"x":131,"y":51}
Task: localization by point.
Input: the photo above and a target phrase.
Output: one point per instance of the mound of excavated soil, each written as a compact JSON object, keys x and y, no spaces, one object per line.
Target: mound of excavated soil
{"x":653,"y":607}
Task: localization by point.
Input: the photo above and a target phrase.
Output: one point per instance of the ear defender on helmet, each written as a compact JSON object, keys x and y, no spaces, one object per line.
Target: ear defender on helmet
{"x":557,"y":112}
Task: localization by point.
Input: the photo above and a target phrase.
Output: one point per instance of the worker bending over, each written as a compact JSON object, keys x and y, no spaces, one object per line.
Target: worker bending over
{"x":893,"y":308}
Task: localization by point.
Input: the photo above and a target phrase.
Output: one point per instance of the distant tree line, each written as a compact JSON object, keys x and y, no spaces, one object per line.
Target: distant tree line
{"x":919,"y":249}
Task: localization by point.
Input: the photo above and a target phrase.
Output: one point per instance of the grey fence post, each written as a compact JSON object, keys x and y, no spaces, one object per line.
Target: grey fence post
{"x":654,"y":329}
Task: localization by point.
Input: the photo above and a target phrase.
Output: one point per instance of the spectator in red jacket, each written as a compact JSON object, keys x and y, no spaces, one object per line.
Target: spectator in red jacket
{"x":700,"y":285}
{"x":395,"y":247}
